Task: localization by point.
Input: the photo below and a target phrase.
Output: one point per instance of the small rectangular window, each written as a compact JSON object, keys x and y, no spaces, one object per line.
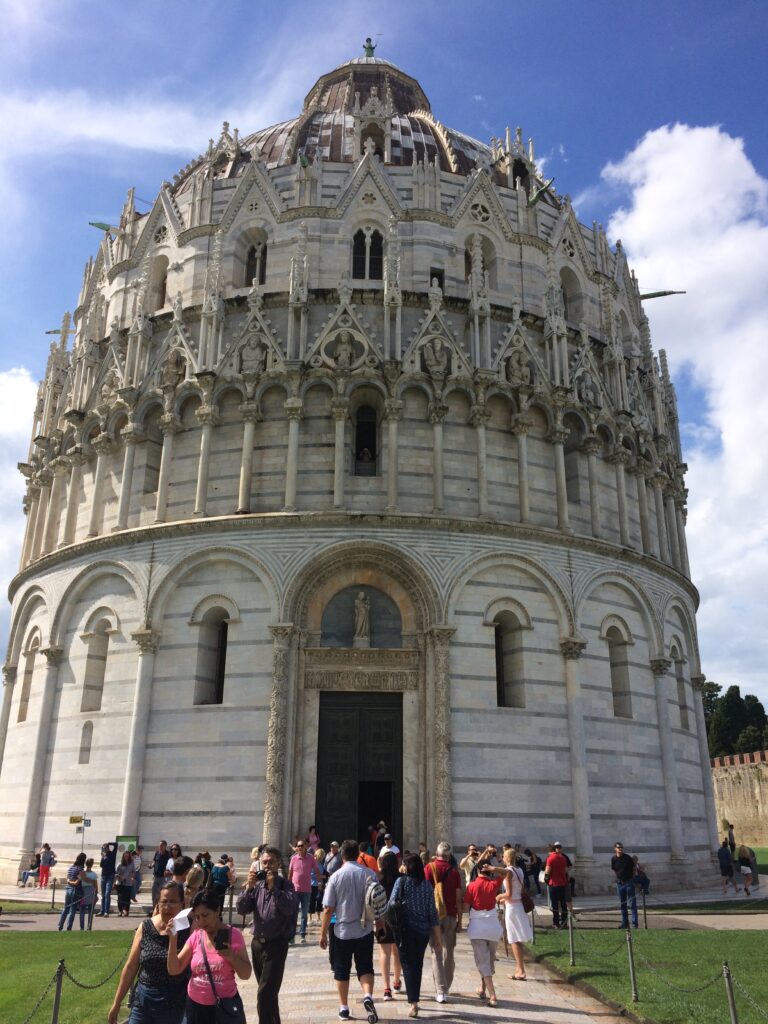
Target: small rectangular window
{"x":437,"y":275}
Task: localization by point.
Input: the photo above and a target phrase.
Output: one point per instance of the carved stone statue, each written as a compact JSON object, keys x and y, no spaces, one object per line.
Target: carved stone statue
{"x":174,"y":369}
{"x":344,"y":352}
{"x":362,"y":636}
{"x":178,"y":308}
{"x":587,"y":390}
{"x":436,"y":357}
{"x":518,"y":370}
{"x":109,"y":387}
{"x":253,"y":355}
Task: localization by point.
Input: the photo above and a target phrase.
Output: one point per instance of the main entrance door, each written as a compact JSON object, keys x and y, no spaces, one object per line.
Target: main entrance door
{"x":359,"y":764}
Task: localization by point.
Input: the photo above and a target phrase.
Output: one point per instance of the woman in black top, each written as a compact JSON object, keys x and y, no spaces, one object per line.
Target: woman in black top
{"x":389,"y":957}
{"x":160,"y":998}
{"x":73,"y":895}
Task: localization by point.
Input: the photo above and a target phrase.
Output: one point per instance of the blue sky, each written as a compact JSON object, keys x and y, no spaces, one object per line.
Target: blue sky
{"x":97,"y":97}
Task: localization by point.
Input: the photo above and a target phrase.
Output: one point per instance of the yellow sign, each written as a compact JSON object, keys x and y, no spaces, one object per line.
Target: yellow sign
{"x":75,"y":819}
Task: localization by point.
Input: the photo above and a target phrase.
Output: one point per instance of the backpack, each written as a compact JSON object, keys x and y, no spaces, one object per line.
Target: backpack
{"x":374,"y":901}
{"x":442,"y":911}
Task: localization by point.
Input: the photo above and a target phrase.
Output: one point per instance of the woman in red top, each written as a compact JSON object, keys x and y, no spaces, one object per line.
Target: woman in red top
{"x":484,"y":929}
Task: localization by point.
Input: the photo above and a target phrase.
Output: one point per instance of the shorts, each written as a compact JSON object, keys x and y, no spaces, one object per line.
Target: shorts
{"x":343,"y":952}
{"x":727,"y":872}
{"x":745,"y":870}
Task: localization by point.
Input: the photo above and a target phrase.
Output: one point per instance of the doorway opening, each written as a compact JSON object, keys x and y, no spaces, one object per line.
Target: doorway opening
{"x":374,"y":804}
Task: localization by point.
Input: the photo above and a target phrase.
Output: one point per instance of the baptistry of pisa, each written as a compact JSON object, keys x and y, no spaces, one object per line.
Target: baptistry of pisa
{"x":355,"y":491}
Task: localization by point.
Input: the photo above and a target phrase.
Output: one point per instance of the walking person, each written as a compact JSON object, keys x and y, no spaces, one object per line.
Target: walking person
{"x":556,"y":880}
{"x":623,"y":867}
{"x":73,"y":894}
{"x":90,"y":893}
{"x":221,"y":879}
{"x":302,"y":871}
{"x":124,"y":879}
{"x":332,"y":860}
{"x":446,"y":884}
{"x":420,"y":923}
{"x":533,"y":865}
{"x":516,"y":920}
{"x":389,"y":958}
{"x":216,"y":957}
{"x":731,"y":840}
{"x":47,"y":861}
{"x":108,"y":865}
{"x":745,"y":867}
{"x":159,"y":860}
{"x":484,"y":929}
{"x":138,"y":858}
{"x":725,"y":860}
{"x":352,"y":934}
{"x":159,"y":998}
{"x":274,"y":904}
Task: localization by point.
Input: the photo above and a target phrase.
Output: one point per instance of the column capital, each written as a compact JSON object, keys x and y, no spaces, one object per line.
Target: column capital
{"x":479,"y":416}
{"x":294,"y":408}
{"x":591,"y":445}
{"x":619,"y":456}
{"x":52,"y":654}
{"x":557,"y":435}
{"x":169,"y":424}
{"x":206,"y":416}
{"x":659,"y":479}
{"x":660,"y":666}
{"x":251,"y":412}
{"x":76,"y":456}
{"x":521,"y":423}
{"x":437,"y":412}
{"x":131,"y":434}
{"x":45,"y":477}
{"x":102,"y":444}
{"x":146,"y":640}
{"x":440,"y":634}
{"x":60,"y":465}
{"x":340,"y":408}
{"x":283,"y":633}
{"x":9,"y":674}
{"x":697,"y":682}
{"x":572,"y":647}
{"x":393,"y":409}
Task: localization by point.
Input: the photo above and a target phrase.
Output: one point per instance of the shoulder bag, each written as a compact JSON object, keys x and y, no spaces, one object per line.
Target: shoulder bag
{"x":229,"y":1009}
{"x":394,"y":915}
{"x":525,"y":897}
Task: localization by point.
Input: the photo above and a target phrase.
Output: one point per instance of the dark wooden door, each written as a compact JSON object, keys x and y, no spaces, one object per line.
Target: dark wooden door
{"x":359,"y":764}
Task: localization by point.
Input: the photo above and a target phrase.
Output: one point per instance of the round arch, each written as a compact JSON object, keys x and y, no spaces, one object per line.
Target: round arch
{"x":83,"y":579}
{"x":632,"y":588}
{"x":32,"y":601}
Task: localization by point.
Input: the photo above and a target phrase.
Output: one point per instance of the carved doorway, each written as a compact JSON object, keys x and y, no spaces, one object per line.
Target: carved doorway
{"x":359,"y":764}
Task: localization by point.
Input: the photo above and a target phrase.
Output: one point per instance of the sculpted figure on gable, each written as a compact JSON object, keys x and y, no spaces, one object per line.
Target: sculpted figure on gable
{"x":587,"y":390}
{"x":174,"y":369}
{"x":344,"y":352}
{"x":518,"y":370}
{"x":436,"y":357}
{"x":253,"y":355}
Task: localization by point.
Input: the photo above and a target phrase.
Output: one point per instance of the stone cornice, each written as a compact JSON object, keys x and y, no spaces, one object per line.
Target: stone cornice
{"x":250,"y":522}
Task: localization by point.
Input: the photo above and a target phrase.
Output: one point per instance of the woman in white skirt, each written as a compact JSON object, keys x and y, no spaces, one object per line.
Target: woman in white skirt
{"x":516,"y":921}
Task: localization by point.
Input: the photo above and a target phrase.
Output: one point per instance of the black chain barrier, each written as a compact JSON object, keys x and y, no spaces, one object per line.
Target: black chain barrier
{"x":748,"y":997}
{"x":109,"y":977}
{"x":42,"y":999}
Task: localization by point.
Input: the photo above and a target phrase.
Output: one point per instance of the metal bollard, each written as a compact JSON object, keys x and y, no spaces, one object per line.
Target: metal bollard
{"x":645,"y":915}
{"x":632,"y":974}
{"x":57,"y":993}
{"x":729,"y":993}
{"x":53,"y":894}
{"x":533,"y":926}
{"x":91,"y":909}
{"x":571,"y":950}
{"x":231,"y":894}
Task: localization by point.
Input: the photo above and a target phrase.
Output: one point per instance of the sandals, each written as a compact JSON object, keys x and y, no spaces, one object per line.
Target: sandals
{"x":480,"y":993}
{"x":518,"y":977}
{"x":413,"y":1012}
{"x":493,"y":1002}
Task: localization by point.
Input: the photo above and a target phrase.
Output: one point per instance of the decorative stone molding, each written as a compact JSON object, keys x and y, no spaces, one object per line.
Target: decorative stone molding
{"x":294,"y":408}
{"x":9,"y":674}
{"x":343,"y":668}
{"x":439,"y":638}
{"x":393,"y":409}
{"x":102,"y":444}
{"x":660,"y":666}
{"x":277,"y":738}
{"x":697,"y":682}
{"x":52,"y":655}
{"x":572,"y":647}
{"x":437,"y":412}
{"x":147,"y":640}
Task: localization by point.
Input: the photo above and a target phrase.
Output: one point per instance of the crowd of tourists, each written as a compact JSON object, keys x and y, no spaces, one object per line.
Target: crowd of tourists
{"x":362,"y":897}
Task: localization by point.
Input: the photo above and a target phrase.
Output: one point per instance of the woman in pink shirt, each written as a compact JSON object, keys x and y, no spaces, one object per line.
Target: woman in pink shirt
{"x":224,"y":949}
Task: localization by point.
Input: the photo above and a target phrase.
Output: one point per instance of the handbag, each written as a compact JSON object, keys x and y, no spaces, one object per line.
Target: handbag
{"x":525,"y":897}
{"x":394,"y":915}
{"x":229,"y":1009}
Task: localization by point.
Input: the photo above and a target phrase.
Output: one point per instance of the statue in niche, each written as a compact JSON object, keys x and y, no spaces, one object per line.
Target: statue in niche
{"x":109,"y":387}
{"x":587,"y":390}
{"x":362,"y":636}
{"x":178,"y":308}
{"x":436,"y":357}
{"x":253,"y":355}
{"x":518,"y":370}
{"x":174,"y":369}
{"x":344,"y":352}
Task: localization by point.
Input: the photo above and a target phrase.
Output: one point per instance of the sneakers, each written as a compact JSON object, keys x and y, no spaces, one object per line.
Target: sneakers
{"x":344,"y":1013}
{"x":388,"y":997}
{"x":441,"y":997}
{"x":370,"y":1009}
{"x":398,"y":985}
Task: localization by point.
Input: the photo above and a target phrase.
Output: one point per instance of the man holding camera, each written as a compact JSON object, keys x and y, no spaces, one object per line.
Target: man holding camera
{"x":274,"y":904}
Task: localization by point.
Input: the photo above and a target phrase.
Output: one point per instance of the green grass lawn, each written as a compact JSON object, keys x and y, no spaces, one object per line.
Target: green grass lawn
{"x":761,"y":854}
{"x":686,"y":959}
{"x":18,"y":906}
{"x":740,"y":905}
{"x":28,"y":962}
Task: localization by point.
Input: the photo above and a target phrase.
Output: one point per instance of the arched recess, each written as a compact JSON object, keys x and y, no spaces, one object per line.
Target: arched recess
{"x":158,"y":284}
{"x":509,"y":620}
{"x":32,"y":604}
{"x":577,"y":430}
{"x":678,"y":660}
{"x":86,"y":742}
{"x":617,"y":635}
{"x":84,"y":579}
{"x":587,"y":584}
{"x":251,"y":257}
{"x":678,"y":620}
{"x":573,"y":295}
{"x":211,"y":664}
{"x":100,"y":626}
{"x":30,"y":654}
{"x":368,"y":254}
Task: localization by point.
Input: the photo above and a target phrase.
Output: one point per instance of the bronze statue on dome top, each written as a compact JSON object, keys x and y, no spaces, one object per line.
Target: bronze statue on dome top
{"x":369,"y":47}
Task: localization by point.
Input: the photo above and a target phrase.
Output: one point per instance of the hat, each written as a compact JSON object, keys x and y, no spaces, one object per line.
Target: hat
{"x":557,"y":844}
{"x":388,"y":835}
{"x":334,"y":843}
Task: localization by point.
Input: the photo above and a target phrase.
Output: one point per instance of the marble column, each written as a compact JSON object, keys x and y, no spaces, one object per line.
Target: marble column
{"x":437,"y":413}
{"x":131,"y":437}
{"x":439,"y":774}
{"x":207,"y":418}
{"x":681,"y":541}
{"x":557,"y":437}
{"x":294,"y":410}
{"x":77,"y":459}
{"x":340,"y":413}
{"x":147,"y":642}
{"x":713,"y":835}
{"x":660,"y":667}
{"x":169,"y":424}
{"x":639,"y":471}
{"x":29,"y":536}
{"x":620,"y":457}
{"x":9,"y":682}
{"x":591,"y":447}
{"x":45,"y":478}
{"x":251,"y":416}
{"x":674,"y":548}
{"x":29,"y":838}
{"x":50,"y":535}
{"x":572,"y":648}
{"x":277,"y":737}
{"x":520,"y":429}
{"x":393,"y":411}
{"x":479,"y":417}
{"x":657,"y":482}
{"x":102,"y":445}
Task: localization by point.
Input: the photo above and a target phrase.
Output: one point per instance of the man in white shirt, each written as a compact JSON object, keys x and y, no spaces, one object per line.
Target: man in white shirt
{"x":352,"y":936}
{"x":389,"y":847}
{"x":137,"y":862}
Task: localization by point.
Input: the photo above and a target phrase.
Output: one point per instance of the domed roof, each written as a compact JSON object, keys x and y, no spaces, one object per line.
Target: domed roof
{"x":359,"y":89}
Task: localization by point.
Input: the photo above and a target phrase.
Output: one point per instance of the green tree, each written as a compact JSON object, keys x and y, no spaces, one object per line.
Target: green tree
{"x":755,"y":712}
{"x":748,"y":740}
{"x":711,"y":698}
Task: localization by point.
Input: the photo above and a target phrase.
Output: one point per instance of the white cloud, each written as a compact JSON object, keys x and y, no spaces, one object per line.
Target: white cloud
{"x":696,"y":220}
{"x":17,"y":400}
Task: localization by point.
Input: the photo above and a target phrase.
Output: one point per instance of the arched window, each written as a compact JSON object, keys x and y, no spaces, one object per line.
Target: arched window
{"x":212,"y":657}
{"x":510,"y":681}
{"x":573,"y":301}
{"x":368,"y":255}
{"x":520,"y":170}
{"x":618,"y":654}
{"x":681,"y":695}
{"x":33,"y":646}
{"x":376,"y":134}
{"x":86,"y":739}
{"x":158,"y":284}
{"x":95,"y":665}
{"x":366,"y":450}
{"x":256,"y":264}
